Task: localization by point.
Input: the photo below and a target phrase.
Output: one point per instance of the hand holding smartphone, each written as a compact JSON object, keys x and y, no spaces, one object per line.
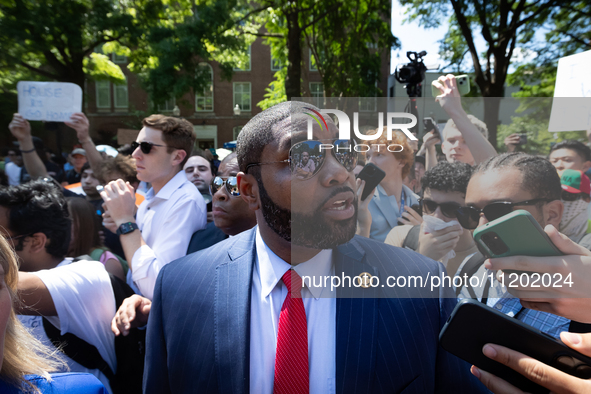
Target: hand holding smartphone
{"x":463,"y":83}
{"x":372,"y":175}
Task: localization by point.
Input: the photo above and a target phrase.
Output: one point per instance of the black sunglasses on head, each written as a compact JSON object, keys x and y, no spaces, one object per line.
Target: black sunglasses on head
{"x":469,"y":216}
{"x":315,"y":152}
{"x":230,"y":182}
{"x":145,"y":146}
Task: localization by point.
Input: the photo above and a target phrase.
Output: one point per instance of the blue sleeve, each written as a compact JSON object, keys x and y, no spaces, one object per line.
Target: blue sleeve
{"x":156,"y":364}
{"x":69,"y":383}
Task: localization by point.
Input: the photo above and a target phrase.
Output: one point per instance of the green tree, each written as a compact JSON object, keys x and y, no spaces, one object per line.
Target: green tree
{"x":503,"y":24}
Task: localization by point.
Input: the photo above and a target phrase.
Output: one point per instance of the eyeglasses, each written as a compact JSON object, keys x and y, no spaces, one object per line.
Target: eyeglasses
{"x":307,"y":157}
{"x":469,"y":216}
{"x":230,"y":182}
{"x":146,"y":147}
{"x":448,"y":209}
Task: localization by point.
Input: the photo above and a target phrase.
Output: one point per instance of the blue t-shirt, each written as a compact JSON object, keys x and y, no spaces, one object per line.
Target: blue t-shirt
{"x":61,"y":383}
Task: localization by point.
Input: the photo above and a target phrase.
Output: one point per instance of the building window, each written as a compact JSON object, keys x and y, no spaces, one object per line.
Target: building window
{"x":204,"y":98}
{"x":244,"y":66}
{"x":103,"y":94}
{"x":313,"y":66}
{"x":119,"y":59}
{"x":317,"y":91}
{"x":275,"y":64}
{"x":235,"y":131}
{"x":242,"y":95}
{"x":167,"y":106}
{"x":120,"y":93}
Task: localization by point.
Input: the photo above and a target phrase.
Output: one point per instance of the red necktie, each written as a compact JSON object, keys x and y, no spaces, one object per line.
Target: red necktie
{"x":291,"y":359}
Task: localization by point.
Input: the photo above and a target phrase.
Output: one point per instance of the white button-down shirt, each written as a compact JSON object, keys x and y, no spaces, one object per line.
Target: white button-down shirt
{"x":268,"y":293}
{"x":167,"y":221}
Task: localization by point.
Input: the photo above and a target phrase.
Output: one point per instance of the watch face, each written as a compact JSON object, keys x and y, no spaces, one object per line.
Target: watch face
{"x":126,"y":228}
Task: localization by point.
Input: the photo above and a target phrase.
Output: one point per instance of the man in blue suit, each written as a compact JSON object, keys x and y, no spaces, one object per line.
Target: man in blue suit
{"x":217,"y":320}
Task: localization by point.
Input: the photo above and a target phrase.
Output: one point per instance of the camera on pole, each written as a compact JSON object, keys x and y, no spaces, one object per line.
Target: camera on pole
{"x":412,"y":74}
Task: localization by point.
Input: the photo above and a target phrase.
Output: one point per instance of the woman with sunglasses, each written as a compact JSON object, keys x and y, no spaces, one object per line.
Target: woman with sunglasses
{"x":391,"y":198}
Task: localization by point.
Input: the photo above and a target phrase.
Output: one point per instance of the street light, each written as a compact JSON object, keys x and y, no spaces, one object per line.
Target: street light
{"x":176,"y":111}
{"x":237,"y":110}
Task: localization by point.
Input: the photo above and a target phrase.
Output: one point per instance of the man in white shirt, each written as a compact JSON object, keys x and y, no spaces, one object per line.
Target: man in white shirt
{"x":225,"y":319}
{"x":173,"y":209}
{"x":14,"y":167}
{"x":77,"y":298}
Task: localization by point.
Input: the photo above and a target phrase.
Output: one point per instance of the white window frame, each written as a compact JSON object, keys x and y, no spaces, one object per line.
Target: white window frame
{"x":249,"y":61}
{"x":103,"y":84}
{"x":115,"y":88}
{"x":165,"y":104}
{"x":241,"y":104}
{"x":314,"y":93}
{"x":235,"y":131}
{"x":276,"y":68}
{"x":204,"y":97}
{"x":119,"y":59}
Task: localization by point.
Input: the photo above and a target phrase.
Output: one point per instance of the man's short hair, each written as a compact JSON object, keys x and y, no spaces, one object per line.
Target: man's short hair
{"x":201,"y":153}
{"x":258,"y":133}
{"x":580,"y":148}
{"x":447,"y":177}
{"x":125,"y":165}
{"x":480,"y":125}
{"x":176,"y":133}
{"x":85,"y":167}
{"x":539,"y":175}
{"x":39,"y":207}
{"x":407,"y":154}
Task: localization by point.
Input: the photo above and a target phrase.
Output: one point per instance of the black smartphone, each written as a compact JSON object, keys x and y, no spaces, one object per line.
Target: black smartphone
{"x":430,"y":125}
{"x":522,"y":139}
{"x":372,"y":175}
{"x":472,"y":324}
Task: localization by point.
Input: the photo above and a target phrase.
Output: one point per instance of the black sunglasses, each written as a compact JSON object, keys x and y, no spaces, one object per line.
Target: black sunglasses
{"x":306,"y":157}
{"x":230,"y":182}
{"x":469,"y":216}
{"x":145,"y":146}
{"x":448,"y":209}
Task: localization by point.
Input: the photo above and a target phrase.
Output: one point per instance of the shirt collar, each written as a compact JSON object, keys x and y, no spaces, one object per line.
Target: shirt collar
{"x":176,"y":182}
{"x":272,"y":268}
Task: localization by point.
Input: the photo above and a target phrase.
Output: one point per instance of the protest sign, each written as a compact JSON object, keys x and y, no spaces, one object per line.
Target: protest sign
{"x":49,"y":101}
{"x":571,"y":106}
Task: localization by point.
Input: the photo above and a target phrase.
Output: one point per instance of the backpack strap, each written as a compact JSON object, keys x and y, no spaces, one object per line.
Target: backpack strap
{"x":469,"y":269}
{"x":412,"y":238}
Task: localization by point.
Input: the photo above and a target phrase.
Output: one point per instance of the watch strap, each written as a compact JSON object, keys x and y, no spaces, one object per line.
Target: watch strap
{"x":127,"y":228}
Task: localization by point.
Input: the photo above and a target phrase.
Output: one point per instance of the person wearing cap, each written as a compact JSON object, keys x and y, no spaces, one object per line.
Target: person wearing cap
{"x":576,"y":191}
{"x":74,"y":175}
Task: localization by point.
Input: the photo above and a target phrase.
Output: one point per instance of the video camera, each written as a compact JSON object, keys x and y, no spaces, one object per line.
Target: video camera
{"x":414,"y":72}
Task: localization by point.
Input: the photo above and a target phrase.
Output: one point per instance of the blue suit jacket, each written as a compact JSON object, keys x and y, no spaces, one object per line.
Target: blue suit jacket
{"x":199,"y":326}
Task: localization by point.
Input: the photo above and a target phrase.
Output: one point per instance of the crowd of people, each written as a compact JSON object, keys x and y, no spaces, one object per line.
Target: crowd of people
{"x":173,"y":271}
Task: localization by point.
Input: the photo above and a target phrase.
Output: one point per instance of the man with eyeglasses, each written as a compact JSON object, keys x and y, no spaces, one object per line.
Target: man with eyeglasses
{"x":238,"y":317}
{"x":444,"y":194}
{"x":172,"y":210}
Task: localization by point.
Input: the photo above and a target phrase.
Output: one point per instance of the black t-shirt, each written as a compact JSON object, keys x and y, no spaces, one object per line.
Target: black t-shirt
{"x":53,"y":170}
{"x":112,"y":240}
{"x":72,"y":176}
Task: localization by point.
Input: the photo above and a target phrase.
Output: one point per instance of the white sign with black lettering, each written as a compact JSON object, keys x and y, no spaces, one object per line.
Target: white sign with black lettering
{"x":571,"y":106}
{"x":49,"y":101}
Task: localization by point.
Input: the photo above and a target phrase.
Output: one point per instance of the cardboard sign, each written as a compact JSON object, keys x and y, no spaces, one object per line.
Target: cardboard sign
{"x":126,"y":136}
{"x":571,"y":106}
{"x":49,"y":101}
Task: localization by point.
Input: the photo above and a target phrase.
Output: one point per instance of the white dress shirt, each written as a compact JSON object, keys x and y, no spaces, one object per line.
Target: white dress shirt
{"x":268,"y":293}
{"x":167,"y":221}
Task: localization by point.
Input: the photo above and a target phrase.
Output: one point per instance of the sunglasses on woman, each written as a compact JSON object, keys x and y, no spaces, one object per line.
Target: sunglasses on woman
{"x":448,"y":209}
{"x":144,"y":146}
{"x":469,"y":216}
{"x":230,"y":182}
{"x":307,"y":157}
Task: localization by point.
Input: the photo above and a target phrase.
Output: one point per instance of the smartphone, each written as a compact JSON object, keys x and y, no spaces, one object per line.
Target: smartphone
{"x":463,"y":83}
{"x":472,"y":324}
{"x":430,"y":125}
{"x":372,"y":175}
{"x":515,"y":234}
{"x":522,"y":139}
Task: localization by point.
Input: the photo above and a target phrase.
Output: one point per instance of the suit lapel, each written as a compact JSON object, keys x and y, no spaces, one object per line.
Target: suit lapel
{"x":356,"y":323}
{"x":384,"y":205}
{"x":232,"y":316}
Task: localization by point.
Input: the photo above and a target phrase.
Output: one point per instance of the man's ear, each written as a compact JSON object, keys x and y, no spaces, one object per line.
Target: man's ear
{"x":38,"y":242}
{"x":249,"y":190}
{"x":553,"y":212}
{"x":586,"y":166}
{"x":178,"y":157}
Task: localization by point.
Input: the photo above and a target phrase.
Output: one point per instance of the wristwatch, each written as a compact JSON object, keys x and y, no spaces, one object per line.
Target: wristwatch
{"x":127,"y":228}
